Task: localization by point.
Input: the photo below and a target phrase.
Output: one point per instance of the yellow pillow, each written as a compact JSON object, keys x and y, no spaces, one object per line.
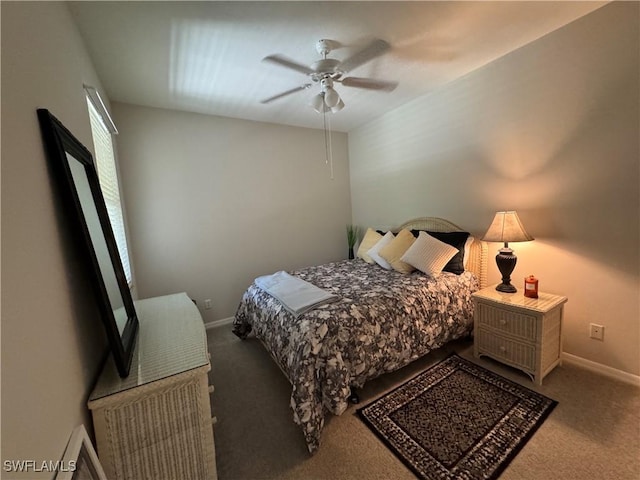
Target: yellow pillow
{"x":371,"y":237}
{"x":394,"y":251}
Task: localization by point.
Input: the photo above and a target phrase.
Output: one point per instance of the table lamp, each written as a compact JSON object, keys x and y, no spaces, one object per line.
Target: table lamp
{"x":506,"y":227}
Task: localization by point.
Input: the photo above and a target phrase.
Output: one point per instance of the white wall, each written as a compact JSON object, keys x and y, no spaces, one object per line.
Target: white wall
{"x":214,"y":202}
{"x":52,"y":339}
{"x":550,"y":130}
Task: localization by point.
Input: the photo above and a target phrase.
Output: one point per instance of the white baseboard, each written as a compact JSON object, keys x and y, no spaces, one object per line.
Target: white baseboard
{"x":218,"y":323}
{"x":602,"y":369}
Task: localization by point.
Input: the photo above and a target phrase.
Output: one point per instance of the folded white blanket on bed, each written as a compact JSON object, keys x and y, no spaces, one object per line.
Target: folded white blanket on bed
{"x":296,"y":295}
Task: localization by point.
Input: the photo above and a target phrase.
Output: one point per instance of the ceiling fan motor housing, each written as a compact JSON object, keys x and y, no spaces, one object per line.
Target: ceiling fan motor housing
{"x":327,"y":67}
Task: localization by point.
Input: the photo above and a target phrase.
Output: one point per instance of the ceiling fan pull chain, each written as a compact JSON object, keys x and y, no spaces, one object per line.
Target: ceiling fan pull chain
{"x":330,"y":150}
{"x":326,"y":145}
{"x":327,"y":142}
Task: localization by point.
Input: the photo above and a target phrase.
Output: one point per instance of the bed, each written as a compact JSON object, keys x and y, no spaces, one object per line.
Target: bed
{"x":381,"y":321}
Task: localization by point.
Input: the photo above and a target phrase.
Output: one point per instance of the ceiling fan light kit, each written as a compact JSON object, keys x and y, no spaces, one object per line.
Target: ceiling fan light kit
{"x":319,"y":104}
{"x":328,"y":71}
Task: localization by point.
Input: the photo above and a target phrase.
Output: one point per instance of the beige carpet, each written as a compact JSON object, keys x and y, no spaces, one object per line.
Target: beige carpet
{"x":594,"y":432}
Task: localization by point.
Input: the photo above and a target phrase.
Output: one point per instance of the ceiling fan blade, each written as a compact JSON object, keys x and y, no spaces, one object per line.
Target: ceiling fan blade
{"x":369,"y":83}
{"x":288,"y":63}
{"x":288,"y":92}
{"x":371,"y":51}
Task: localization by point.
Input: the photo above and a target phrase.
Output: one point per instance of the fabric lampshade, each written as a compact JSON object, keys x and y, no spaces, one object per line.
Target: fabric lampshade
{"x":506,"y":227}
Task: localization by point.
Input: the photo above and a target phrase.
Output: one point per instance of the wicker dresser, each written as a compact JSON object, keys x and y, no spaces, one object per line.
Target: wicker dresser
{"x":523,"y":332}
{"x":156,"y":423}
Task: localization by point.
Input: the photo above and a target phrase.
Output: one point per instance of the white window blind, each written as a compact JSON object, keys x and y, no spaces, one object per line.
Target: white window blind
{"x":106,"y":166}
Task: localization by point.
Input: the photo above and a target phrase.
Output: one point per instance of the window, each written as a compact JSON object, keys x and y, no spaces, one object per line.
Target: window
{"x":102,"y":128}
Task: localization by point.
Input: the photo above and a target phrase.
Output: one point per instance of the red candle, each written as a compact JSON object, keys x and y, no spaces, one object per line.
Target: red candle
{"x":531,"y":287}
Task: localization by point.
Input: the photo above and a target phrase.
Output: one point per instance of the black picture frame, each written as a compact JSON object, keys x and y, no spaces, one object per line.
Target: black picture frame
{"x":77,"y":178}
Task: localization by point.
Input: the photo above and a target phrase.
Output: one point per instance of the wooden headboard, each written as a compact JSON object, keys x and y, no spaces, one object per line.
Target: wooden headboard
{"x":478,"y":252}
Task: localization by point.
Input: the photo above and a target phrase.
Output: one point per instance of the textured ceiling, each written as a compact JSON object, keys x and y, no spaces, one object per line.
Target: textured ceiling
{"x":206,"y":57}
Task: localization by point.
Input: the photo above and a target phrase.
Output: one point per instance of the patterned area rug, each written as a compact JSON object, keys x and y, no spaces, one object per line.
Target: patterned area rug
{"x":457,"y":421}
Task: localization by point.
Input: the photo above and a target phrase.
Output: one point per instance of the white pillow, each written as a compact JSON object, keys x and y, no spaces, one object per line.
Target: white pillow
{"x":467,"y":246}
{"x":373,"y":251}
{"x":428,"y":254}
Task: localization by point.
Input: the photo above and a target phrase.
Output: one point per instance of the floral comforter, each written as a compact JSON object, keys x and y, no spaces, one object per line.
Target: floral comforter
{"x":383,"y":321}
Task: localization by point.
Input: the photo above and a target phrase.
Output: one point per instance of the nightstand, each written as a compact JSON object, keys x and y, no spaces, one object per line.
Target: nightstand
{"x":525,"y":333}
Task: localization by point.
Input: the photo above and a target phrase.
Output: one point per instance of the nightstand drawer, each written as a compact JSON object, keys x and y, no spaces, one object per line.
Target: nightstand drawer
{"x":512,"y":323}
{"x":508,"y":351}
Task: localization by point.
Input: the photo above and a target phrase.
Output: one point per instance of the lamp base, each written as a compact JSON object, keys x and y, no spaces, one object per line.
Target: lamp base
{"x":506,"y":288}
{"x":506,"y":261}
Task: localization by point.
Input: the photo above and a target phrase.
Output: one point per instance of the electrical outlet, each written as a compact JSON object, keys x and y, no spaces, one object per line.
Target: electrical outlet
{"x":207,"y":304}
{"x":596,"y":331}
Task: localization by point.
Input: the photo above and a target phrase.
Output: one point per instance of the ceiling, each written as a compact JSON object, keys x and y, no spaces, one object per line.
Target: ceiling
{"x":206,"y":57}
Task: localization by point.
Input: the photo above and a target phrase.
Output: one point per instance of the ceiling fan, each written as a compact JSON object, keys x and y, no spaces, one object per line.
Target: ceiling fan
{"x":328,"y":71}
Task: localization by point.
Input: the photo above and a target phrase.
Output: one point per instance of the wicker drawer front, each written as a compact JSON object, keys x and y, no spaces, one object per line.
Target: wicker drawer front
{"x":166,"y":434}
{"x":516,"y":324}
{"x":514,"y":353}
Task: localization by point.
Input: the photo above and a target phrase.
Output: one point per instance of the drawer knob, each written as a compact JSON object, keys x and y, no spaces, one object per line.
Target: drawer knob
{"x":503,"y":349}
{"x":503,"y":321}
{"x":214,"y":420}
{"x":211,"y":388}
